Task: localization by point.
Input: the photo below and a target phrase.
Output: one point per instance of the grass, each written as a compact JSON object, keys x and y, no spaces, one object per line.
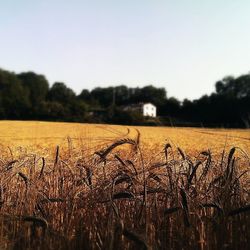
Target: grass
{"x":75,"y":186}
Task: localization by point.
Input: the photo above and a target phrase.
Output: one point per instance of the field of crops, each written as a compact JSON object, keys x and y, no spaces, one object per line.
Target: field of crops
{"x":92,"y":186}
{"x":46,"y":135}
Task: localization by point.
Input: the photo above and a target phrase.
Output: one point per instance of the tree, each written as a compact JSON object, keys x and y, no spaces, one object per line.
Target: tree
{"x":149,"y":94}
{"x":85,"y":95}
{"x":54,"y":111}
{"x":128,"y":118}
{"x":234,"y":87}
{"x":59,"y":92}
{"x":104,"y":96}
{"x":170,"y":107}
{"x":36,"y":86}
{"x":13,"y":97}
{"x":77,"y":111}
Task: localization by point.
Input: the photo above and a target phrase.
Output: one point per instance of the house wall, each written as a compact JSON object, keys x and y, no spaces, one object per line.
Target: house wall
{"x":149,"y":110}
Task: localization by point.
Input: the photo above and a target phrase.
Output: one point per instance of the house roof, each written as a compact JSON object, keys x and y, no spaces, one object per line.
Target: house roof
{"x":149,"y":103}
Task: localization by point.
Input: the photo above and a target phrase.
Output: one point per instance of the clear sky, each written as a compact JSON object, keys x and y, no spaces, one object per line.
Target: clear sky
{"x":182,"y":45}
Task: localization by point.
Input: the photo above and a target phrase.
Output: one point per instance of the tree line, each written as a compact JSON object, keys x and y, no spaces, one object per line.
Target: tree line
{"x":28,"y":96}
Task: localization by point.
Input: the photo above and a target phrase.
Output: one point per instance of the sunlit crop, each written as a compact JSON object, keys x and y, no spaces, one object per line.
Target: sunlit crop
{"x":78,"y":186}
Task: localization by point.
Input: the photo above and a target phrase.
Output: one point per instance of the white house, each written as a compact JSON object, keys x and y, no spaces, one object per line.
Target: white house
{"x":146,"y":109}
{"x":149,"y":109}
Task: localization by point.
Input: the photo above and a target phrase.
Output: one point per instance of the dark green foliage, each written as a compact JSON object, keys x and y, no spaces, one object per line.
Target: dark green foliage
{"x":229,"y":106}
{"x":35,"y":85}
{"x":59,"y":92}
{"x":126,"y":117}
{"x":14,"y":101}
{"x":28,"y":96}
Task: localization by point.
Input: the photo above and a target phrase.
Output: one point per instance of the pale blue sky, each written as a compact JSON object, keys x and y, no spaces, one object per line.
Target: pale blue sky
{"x":184,"y":46}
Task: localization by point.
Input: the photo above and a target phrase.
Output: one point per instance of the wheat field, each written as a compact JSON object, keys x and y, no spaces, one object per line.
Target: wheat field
{"x":44,"y":135}
{"x":93,"y":186}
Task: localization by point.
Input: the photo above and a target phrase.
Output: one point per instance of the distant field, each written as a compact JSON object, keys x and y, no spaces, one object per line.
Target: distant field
{"x":45,"y":135}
